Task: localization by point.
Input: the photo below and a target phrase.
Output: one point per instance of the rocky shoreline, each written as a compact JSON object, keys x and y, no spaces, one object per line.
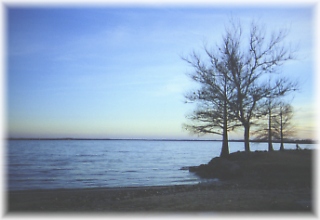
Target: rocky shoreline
{"x":289,"y":164}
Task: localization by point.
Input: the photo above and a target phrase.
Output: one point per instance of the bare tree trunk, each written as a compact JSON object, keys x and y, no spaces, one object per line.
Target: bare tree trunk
{"x":270,"y":147}
{"x":281,"y":145}
{"x":281,"y":133}
{"x":225,"y":147}
{"x":246,"y":138}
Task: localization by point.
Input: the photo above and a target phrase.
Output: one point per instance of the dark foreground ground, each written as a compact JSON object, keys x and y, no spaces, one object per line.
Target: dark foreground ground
{"x":271,"y":182}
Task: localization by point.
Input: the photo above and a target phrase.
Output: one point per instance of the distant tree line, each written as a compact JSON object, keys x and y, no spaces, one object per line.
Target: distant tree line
{"x":241,"y":85}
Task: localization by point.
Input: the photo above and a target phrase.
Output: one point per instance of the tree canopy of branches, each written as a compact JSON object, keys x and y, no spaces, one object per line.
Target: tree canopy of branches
{"x":282,"y":122}
{"x":276,"y":125}
{"x":235,"y":80}
{"x":213,"y":113}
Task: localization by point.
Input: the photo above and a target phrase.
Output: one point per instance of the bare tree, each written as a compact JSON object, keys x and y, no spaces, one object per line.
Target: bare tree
{"x":276,"y":125}
{"x":251,"y":60}
{"x":213,"y":114}
{"x":265,"y":129}
{"x":234,"y":80}
{"x":282,"y":122}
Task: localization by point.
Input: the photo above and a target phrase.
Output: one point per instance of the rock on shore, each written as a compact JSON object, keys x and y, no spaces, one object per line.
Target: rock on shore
{"x":218,"y":168}
{"x":276,"y":166}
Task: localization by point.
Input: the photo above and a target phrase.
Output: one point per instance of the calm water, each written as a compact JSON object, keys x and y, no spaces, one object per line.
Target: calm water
{"x":57,"y":164}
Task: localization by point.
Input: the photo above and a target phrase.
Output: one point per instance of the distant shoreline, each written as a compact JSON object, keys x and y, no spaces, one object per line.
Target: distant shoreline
{"x":306,"y":141}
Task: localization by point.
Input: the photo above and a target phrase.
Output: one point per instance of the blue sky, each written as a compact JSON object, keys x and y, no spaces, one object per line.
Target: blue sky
{"x":117,"y":72}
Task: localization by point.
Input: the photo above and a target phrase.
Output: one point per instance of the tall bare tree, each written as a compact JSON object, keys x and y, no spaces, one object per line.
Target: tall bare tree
{"x":233,"y":80}
{"x":213,"y":114}
{"x":252,"y":58}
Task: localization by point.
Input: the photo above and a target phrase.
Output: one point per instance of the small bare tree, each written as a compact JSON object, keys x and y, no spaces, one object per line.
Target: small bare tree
{"x":282,"y":122}
{"x":276,"y":125}
{"x":265,"y":130}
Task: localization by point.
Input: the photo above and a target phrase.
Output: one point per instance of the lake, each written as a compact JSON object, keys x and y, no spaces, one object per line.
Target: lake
{"x":65,"y":164}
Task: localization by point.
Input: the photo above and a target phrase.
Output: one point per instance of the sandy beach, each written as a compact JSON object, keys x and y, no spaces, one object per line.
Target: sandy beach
{"x":272,"y":182}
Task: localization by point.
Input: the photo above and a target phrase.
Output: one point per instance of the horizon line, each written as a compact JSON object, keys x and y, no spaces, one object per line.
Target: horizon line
{"x":170,"y":139}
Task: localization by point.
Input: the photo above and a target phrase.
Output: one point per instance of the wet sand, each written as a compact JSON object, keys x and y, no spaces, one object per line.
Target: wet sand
{"x":274,"y":182}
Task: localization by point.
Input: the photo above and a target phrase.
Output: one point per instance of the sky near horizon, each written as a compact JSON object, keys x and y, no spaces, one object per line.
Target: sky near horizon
{"x":117,"y":72}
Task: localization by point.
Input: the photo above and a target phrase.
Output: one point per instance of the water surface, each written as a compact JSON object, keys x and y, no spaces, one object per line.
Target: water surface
{"x":54,"y":164}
